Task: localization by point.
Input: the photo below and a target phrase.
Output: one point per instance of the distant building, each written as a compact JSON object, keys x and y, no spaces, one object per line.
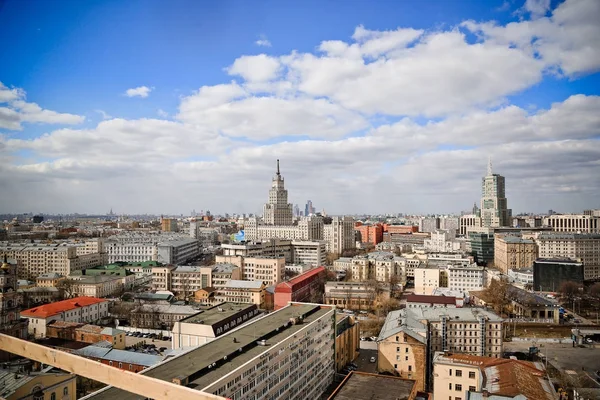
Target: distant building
{"x":429,"y":224}
{"x":207,"y":325}
{"x":371,"y":234}
{"x":159,"y":316}
{"x":581,"y":247}
{"x":513,"y":252}
{"x":356,"y":295}
{"x":78,"y":309}
{"x":86,"y":333}
{"x":339,"y":235}
{"x":573,"y":223}
{"x":168,"y":224}
{"x":457,"y":375}
{"x":494,"y":206}
{"x":549,"y":274}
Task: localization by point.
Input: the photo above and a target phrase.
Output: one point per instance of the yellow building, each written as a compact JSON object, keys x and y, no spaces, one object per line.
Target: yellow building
{"x":514,"y":252}
{"x":239,"y":291}
{"x":47,"y":384}
{"x":168,"y":224}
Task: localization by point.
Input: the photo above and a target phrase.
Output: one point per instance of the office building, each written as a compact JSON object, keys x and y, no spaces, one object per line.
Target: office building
{"x":464,"y":278}
{"x":186,"y":280}
{"x":443,"y":241}
{"x":494,"y":210}
{"x":429,"y":224}
{"x":513,"y":252}
{"x":177,"y":251}
{"x":474,"y":377}
{"x":211,"y":323}
{"x":573,"y":223}
{"x":356,"y":295}
{"x":482,"y":246}
{"x":78,"y":309}
{"x":409,"y":336}
{"x":168,"y":247}
{"x":550,"y":273}
{"x":583,"y":247}
{"x":308,"y":208}
{"x":288,"y":353}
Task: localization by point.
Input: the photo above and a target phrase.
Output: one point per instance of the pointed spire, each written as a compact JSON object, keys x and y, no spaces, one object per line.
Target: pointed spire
{"x":278,"y":173}
{"x":489,"y":169}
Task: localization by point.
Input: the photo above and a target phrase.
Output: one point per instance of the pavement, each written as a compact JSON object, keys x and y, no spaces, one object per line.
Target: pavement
{"x":580,"y":362}
{"x":364,"y":363}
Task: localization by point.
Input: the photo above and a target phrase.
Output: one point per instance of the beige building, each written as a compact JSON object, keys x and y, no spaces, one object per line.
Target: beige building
{"x":427,"y":279}
{"x":379,"y":265}
{"x":346,"y":340}
{"x":462,"y":376}
{"x":408,"y":335}
{"x":98,"y":285}
{"x":185,"y":280}
{"x":584,"y":247}
{"x":168,"y":224}
{"x":50,"y":279}
{"x":223,"y":273}
{"x":512,"y":252}
{"x":161,"y":277}
{"x":48,"y":384}
{"x":311,"y":253}
{"x":356,"y":295}
{"x":37,"y":259}
{"x":239,"y":291}
{"x":208,"y":324}
{"x":573,"y":223}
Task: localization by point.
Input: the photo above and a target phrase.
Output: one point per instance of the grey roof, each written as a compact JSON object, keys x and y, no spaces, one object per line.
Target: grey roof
{"x":217,"y":313}
{"x":167,"y":309}
{"x":517,"y":239}
{"x":567,"y":236}
{"x":526,"y":298}
{"x":363,"y":386}
{"x":50,"y":275}
{"x":187,"y":268}
{"x":124,"y":356}
{"x":240,"y":284}
{"x":153,"y":296}
{"x":413,"y":321}
{"x":224,"y":268}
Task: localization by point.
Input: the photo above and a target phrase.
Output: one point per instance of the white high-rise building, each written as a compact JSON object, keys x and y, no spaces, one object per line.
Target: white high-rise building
{"x":494,"y":206}
{"x":277,"y":211}
{"x":339,"y":235}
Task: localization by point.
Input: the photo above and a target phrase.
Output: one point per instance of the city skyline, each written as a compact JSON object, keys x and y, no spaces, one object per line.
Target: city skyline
{"x":395,"y":108}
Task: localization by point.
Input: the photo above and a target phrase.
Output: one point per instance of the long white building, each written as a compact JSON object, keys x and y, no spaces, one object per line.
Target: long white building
{"x":166,"y":248}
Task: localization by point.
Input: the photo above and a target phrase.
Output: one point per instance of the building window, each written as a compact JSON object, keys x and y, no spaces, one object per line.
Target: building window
{"x":450,"y":372}
{"x":472,"y":375}
{"x":458,"y":372}
{"x":472,"y":388}
{"x":458,"y":387}
{"x":65,"y":391}
{"x":450,"y":386}
{"x":53,"y":396}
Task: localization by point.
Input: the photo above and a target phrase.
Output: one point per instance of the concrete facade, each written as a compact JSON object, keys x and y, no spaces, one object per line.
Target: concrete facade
{"x":513,"y":252}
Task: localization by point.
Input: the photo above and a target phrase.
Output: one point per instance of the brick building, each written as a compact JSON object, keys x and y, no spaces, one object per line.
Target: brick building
{"x":372,"y":234}
{"x":86,"y":333}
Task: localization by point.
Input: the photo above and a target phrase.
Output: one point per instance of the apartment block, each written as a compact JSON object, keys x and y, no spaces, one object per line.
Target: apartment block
{"x":408,"y":335}
{"x":185,"y":280}
{"x":443,"y":241}
{"x":583,"y":247}
{"x":270,"y":270}
{"x":427,"y":279}
{"x":288,"y":353}
{"x":462,"y":376}
{"x":513,"y":252}
{"x":168,"y":224}
{"x":464,"y":278}
{"x":339,"y":235}
{"x":36,"y":259}
{"x":78,"y":309}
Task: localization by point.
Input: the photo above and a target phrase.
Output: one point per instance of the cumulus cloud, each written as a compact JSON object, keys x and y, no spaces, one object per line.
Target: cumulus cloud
{"x":263,"y":41}
{"x":17,"y":110}
{"x":104,"y":114}
{"x":398,"y":120}
{"x":140,"y":91}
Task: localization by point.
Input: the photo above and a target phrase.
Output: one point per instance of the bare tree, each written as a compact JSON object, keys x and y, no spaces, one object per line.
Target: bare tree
{"x":497,"y":293}
{"x":67,"y":287}
{"x":395,"y":282}
{"x":569,"y":290}
{"x":594,"y":291}
{"x":330,"y":258}
{"x":348,"y":277}
{"x":389,"y":305}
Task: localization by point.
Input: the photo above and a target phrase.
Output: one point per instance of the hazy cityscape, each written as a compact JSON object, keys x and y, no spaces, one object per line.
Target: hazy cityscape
{"x":256,"y":200}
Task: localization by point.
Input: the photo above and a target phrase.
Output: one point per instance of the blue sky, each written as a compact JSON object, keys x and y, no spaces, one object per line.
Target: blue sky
{"x":384,"y":117}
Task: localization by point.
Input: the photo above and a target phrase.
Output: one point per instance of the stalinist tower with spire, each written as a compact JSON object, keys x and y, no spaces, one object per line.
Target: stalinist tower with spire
{"x":494,"y":206}
{"x":277,"y":211}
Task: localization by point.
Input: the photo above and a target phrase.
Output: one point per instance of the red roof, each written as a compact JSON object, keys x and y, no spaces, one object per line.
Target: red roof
{"x":300,"y":278}
{"x":51,"y":309}
{"x":420,"y":298}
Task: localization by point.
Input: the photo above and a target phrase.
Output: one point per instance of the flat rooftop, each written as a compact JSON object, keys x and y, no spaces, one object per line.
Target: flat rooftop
{"x":213,"y":314}
{"x":363,"y":386}
{"x":195,"y":363}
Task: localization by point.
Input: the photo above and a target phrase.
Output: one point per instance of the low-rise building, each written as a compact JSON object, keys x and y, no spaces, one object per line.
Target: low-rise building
{"x":222,"y":273}
{"x":158,"y":316}
{"x":207,"y":325}
{"x":409,"y":335}
{"x":96,"y":285}
{"x":47,"y":384}
{"x":205,"y":296}
{"x":78,"y":309}
{"x":86,"y":333}
{"x":475,"y":377}
{"x":240,"y":291}
{"x":307,"y":287}
{"x":40,"y":295}
{"x":550,"y":273}
{"x":356,"y":295}
{"x":126,"y":360}
{"x":49,"y":279}
{"x":522,"y":277}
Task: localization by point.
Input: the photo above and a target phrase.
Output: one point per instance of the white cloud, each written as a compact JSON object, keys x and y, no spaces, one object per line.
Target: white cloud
{"x":257,"y":68}
{"x":104,"y":114}
{"x":162,"y":113}
{"x":140,"y":91}
{"x":376,"y":43}
{"x":537,"y":8}
{"x":263,"y":41}
{"x":18,"y":110}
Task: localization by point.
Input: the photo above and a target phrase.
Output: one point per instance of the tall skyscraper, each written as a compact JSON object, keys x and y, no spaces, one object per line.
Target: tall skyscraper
{"x":277,"y":211}
{"x":494,"y":206}
{"x":309,"y":209}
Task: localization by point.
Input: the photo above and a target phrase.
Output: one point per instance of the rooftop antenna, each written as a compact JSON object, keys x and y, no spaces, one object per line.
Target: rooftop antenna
{"x":278,"y":173}
{"x":489,"y":169}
